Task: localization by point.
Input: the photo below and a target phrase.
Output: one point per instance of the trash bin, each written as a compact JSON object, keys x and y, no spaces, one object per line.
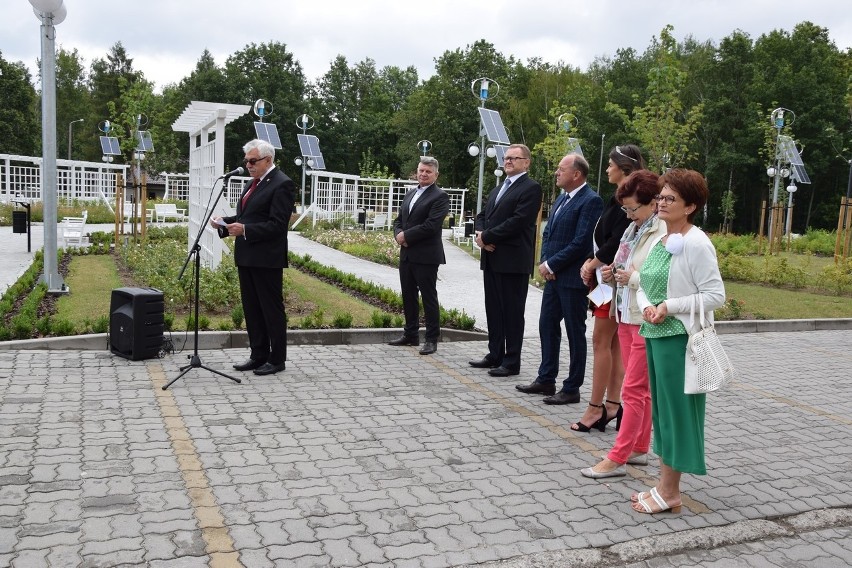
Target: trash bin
{"x":451,"y":221}
{"x":19,"y":222}
{"x":468,"y":229}
{"x":362,"y":217}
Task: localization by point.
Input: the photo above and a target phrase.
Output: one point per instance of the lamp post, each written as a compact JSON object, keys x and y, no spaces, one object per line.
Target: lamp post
{"x":791,"y":189}
{"x":71,"y":135}
{"x":482,"y":94}
{"x":50,"y":13}
{"x":305,"y":122}
{"x":600,"y":165}
{"x":779,"y":121}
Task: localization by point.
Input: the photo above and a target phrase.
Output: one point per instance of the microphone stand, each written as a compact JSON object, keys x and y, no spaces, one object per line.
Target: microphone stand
{"x":195,"y":359}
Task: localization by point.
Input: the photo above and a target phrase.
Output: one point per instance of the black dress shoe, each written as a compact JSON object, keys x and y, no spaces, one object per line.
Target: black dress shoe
{"x":502,"y":372}
{"x":405,"y":340}
{"x":270,"y":369}
{"x":428,"y":348}
{"x":537,"y":388}
{"x":484,"y":363}
{"x":563,"y":398}
{"x":248,"y":365}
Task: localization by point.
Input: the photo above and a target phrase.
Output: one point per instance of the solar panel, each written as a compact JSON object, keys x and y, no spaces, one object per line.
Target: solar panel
{"x":309,"y":146}
{"x":493,"y":124}
{"x":574,"y":146}
{"x":268,"y":132}
{"x":109,"y":146}
{"x":788,"y":150}
{"x":144,"y":142}
{"x":501,"y":153}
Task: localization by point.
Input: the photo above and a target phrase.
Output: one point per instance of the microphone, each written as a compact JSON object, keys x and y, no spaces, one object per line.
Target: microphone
{"x":236,"y":172}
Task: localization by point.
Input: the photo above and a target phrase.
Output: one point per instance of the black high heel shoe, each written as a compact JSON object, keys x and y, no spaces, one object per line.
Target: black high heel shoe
{"x":618,"y":416}
{"x":600,"y":423}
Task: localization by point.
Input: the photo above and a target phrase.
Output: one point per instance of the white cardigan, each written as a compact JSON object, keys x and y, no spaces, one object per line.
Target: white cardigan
{"x":636,"y":257}
{"x":693,"y":270}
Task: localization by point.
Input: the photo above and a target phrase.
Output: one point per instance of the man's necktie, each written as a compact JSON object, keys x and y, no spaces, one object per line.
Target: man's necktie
{"x":503,"y":189}
{"x":561,"y":206}
{"x":249,"y":192}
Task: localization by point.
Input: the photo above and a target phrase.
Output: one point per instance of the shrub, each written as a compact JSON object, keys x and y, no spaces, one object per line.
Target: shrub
{"x":837,"y":277}
{"x":342,"y":321}
{"x":237,"y":316}
{"x":380,"y":319}
{"x":735,"y":267}
{"x":62,"y":327}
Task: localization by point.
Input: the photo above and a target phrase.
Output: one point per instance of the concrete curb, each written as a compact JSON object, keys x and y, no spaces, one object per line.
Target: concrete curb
{"x":237,"y":339}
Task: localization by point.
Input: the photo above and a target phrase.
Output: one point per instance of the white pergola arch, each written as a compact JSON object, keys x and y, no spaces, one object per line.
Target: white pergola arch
{"x":205,"y":123}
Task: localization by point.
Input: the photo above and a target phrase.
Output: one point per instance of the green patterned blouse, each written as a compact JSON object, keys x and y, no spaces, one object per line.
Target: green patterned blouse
{"x":654,"y":275}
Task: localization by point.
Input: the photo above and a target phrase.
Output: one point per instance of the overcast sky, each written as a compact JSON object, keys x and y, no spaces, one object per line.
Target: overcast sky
{"x":166,"y":37}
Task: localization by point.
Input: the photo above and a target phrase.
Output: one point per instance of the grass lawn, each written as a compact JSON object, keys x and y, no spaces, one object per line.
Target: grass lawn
{"x":91,"y":280}
{"x":774,"y":303}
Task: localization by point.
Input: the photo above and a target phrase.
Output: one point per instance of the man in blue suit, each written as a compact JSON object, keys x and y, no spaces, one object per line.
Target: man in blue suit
{"x":566,"y":244}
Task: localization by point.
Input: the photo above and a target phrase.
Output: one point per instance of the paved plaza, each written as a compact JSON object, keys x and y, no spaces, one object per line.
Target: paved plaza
{"x":371,"y":455}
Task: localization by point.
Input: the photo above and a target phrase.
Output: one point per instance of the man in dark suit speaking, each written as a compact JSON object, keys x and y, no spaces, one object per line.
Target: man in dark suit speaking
{"x":417,"y":230}
{"x":260,"y":253}
{"x":565,"y":245}
{"x":505,"y":232}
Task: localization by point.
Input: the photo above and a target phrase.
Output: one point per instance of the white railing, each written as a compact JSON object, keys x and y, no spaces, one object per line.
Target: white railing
{"x":20,"y":177}
{"x":340,"y":197}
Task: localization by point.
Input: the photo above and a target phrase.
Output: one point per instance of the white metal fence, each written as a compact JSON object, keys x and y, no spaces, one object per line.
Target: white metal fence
{"x":20,"y":177}
{"x":341,"y":197}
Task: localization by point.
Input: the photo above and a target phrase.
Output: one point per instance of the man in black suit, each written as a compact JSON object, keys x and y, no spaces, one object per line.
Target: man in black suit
{"x":260,"y":253}
{"x":417,"y":230}
{"x":505,"y":233}
{"x":565,"y":245}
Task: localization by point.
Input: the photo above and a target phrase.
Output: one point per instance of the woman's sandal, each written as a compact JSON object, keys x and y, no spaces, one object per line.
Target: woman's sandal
{"x":617,"y":416}
{"x":643,"y":500}
{"x":600,"y":424}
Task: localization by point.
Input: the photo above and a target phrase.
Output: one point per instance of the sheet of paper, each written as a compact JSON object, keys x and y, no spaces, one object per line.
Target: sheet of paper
{"x":601,"y":294}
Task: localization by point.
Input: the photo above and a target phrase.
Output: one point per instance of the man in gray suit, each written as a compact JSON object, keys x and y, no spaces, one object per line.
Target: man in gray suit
{"x":565,"y":245}
{"x":417,"y":230}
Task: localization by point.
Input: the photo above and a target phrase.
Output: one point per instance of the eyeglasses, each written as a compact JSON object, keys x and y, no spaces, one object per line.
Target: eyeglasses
{"x":669,"y":199}
{"x":620,"y":153}
{"x":514,"y":158}
{"x":253,"y":161}
{"x":630,"y":211}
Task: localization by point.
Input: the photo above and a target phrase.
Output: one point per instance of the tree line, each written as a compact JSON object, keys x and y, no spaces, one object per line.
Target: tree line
{"x":695,"y":104}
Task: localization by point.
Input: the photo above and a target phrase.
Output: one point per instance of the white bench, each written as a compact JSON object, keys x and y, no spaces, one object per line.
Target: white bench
{"x":130,"y":217}
{"x":73,"y":231}
{"x":164,"y":211}
{"x":379,"y":223}
{"x":458,"y":235}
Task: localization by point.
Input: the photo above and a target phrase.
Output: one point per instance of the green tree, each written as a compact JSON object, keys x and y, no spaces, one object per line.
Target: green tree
{"x":265,"y":71}
{"x":20,"y":130}
{"x":72,"y":102}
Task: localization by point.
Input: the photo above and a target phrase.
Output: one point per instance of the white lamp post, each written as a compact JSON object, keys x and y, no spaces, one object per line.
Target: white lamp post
{"x":791,"y":189}
{"x":780,"y":118}
{"x":50,"y":13}
{"x":482,"y":93}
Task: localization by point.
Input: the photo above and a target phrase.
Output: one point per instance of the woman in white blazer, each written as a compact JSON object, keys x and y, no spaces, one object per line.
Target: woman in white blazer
{"x":680,"y":265}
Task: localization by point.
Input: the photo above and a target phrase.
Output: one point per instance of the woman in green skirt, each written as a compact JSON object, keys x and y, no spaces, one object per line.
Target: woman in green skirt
{"x":680,"y":265}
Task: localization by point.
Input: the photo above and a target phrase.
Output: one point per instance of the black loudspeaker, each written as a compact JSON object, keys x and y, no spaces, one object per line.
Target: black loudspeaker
{"x":136,"y":323}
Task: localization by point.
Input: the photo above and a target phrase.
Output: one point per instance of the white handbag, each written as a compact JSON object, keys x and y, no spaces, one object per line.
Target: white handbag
{"x":707,"y":366}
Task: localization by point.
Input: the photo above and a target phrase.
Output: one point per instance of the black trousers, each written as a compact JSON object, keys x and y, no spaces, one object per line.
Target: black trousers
{"x":505,"y":303}
{"x":415,"y":277}
{"x":263,"y":304}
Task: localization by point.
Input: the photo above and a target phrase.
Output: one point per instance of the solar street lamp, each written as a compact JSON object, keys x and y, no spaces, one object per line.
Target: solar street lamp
{"x":491,"y":129}
{"x":49,"y":13}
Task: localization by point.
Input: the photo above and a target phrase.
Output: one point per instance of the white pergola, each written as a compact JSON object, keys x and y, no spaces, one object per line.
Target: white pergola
{"x":205,"y":123}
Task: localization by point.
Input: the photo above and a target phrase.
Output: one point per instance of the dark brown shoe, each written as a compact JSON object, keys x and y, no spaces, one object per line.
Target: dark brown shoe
{"x":405,"y":340}
{"x":248,"y":365}
{"x":502,"y":372}
{"x":563,"y":398}
{"x":270,"y":369}
{"x":537,"y":388}
{"x":428,"y":348}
